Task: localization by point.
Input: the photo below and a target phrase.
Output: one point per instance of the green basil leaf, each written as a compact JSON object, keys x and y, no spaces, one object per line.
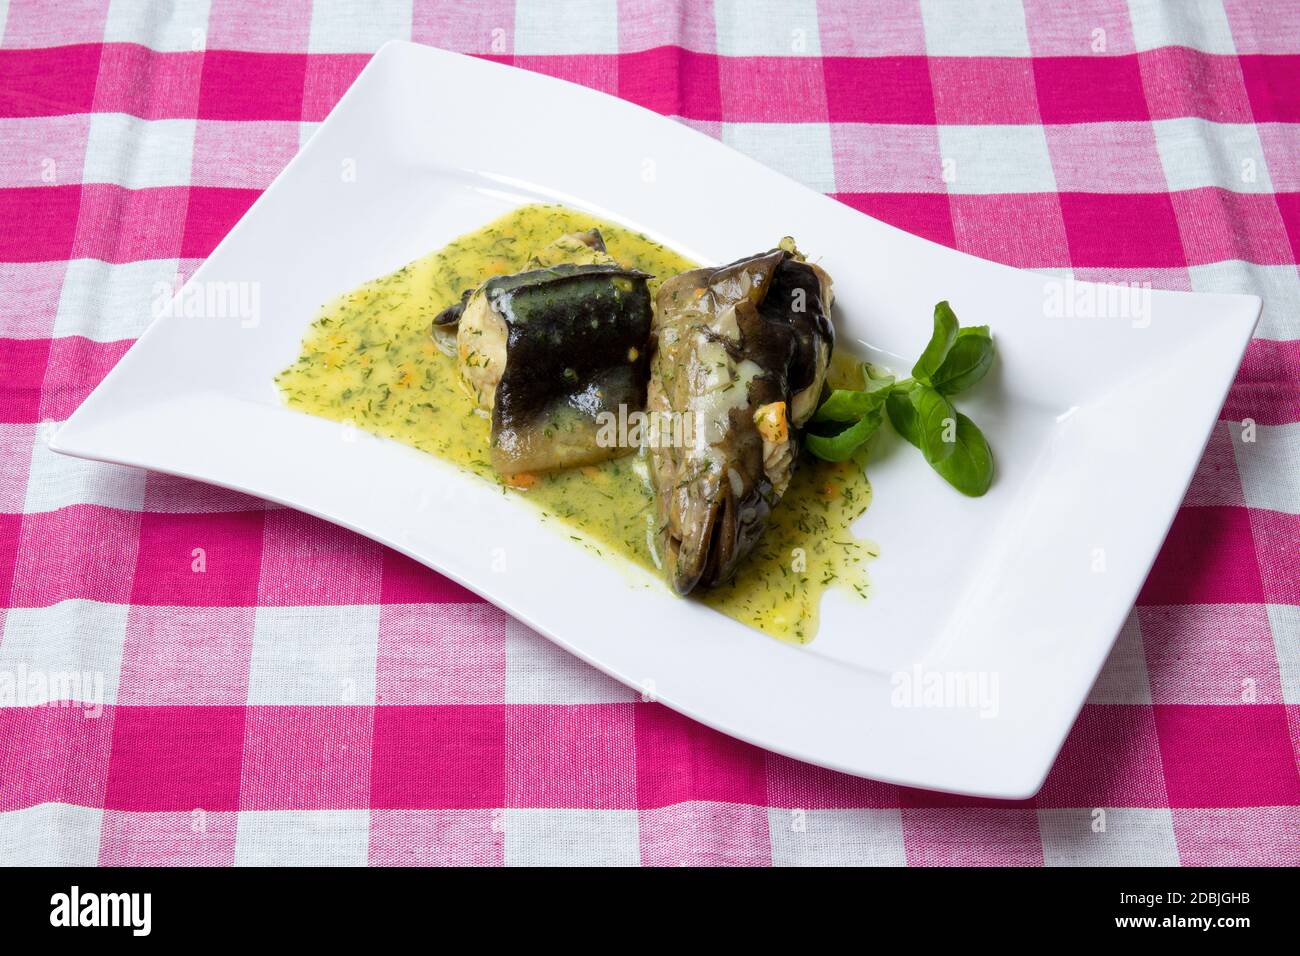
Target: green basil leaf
{"x":969,"y":468}
{"x":871,"y":382}
{"x":844,"y":405}
{"x":902,"y":414}
{"x":936,"y":423}
{"x":945,"y":333}
{"x":967,"y":361}
{"x":849,"y":405}
{"x":841,"y":446}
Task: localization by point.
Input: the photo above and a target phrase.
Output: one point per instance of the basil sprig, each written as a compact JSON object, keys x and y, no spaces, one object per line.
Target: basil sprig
{"x":918,"y":407}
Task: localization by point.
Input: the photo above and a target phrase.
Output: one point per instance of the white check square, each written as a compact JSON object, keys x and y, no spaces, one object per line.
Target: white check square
{"x":1123,"y":678}
{"x":801,"y":151}
{"x":302,"y":838}
{"x":108,"y":302}
{"x":314,"y":655}
{"x":50,"y":834}
{"x":54,"y":482}
{"x":68,"y":651}
{"x":1278,"y":286}
{"x":767,"y":28}
{"x":975,"y":28}
{"x":1268,"y":460}
{"x":577,"y":27}
{"x":344,"y":26}
{"x":1196,"y":153}
{"x":995,"y":159}
{"x":138,"y":154}
{"x":868,"y":837}
{"x":571,"y":837}
{"x":1198,"y":24}
{"x":168,"y":26}
{"x":1284,"y":621}
{"x":539,"y":672}
{"x":1108,"y":836}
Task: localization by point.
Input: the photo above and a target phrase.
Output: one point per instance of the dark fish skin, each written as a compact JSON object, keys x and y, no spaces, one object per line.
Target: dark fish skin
{"x":576,"y":346}
{"x":765,"y":318}
{"x":451,"y":315}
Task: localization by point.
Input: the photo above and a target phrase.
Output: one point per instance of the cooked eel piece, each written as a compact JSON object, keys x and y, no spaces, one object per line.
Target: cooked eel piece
{"x":580,"y":248}
{"x":480,"y":340}
{"x":549,"y":350}
{"x":742,"y":350}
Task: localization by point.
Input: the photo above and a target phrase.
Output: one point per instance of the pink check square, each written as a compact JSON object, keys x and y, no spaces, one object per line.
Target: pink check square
{"x":1216,"y":224}
{"x":212,"y":212}
{"x":199,"y":560}
{"x":1210,"y":654}
{"x":22,"y":368}
{"x":546,"y":743}
{"x":30,"y":310}
{"x":193,"y":837}
{"x":678,"y":760}
{"x":441,"y":654}
{"x":438,"y":757}
{"x":795,"y":785}
{"x":1180,"y":82}
{"x":705,"y":834}
{"x":1208,"y":558}
{"x":482,"y":27}
{"x":49,"y":81}
{"x":1079,"y":28}
{"x":75,"y":366}
{"x":76,"y":21}
{"x":140,"y":82}
{"x":251,"y":25}
{"x":186,"y":656}
{"x":772,"y":89}
{"x":1110,"y":759}
{"x":983,"y":90}
{"x":1089,"y":89}
{"x":1112,"y":229}
{"x":100,"y":568}
{"x":307,"y":561}
{"x":871,"y":28}
{"x":175,"y":758}
{"x":306,"y":758}
{"x":126,"y":225}
{"x":1227,"y":756}
{"x":888,"y":89}
{"x":405,"y":581}
{"x":1020,"y":229}
{"x":53,"y":754}
{"x":672,"y":81}
{"x":49,"y":215}
{"x":942,"y":836}
{"x":437,"y":837}
{"x":252,"y":86}
{"x":328,"y":77}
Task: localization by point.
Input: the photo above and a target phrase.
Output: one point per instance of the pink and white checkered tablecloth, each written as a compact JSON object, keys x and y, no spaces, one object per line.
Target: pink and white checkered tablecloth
{"x":313,"y":697}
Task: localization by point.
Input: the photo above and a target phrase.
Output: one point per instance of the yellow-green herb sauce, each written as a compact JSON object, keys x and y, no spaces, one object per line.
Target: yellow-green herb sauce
{"x":369,"y":359}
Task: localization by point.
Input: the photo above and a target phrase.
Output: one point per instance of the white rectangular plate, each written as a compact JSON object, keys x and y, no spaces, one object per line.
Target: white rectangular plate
{"x":1096,"y":425}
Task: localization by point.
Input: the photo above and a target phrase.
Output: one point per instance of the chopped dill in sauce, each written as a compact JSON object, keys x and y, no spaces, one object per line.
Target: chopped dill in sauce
{"x":370,"y":360}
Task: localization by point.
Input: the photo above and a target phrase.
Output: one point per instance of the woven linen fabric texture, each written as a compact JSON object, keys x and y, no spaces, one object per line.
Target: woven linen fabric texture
{"x":314,"y":698}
